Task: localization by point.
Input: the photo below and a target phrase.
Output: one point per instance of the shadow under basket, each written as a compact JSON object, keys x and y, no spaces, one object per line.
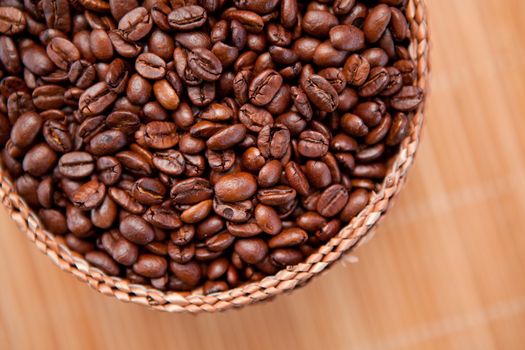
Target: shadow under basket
{"x":285,"y":280}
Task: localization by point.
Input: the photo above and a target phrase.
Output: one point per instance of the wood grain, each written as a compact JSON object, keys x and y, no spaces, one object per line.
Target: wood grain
{"x":445,"y":270}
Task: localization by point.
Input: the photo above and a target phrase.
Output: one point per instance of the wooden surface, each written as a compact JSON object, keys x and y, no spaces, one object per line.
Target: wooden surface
{"x":445,"y":271}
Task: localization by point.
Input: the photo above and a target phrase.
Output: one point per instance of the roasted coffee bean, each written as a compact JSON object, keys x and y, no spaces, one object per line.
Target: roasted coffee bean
{"x":270,"y":174}
{"x":90,"y":195}
{"x":108,"y":142}
{"x":254,"y":118}
{"x":12,"y":20}
{"x":191,"y":191}
{"x":376,"y":22}
{"x":162,"y":217}
{"x":264,"y":87}
{"x":267,"y":219}
{"x":275,"y":196}
{"x":158,"y":135}
{"x":312,"y":144}
{"x":224,"y":140}
{"x":321,"y":93}
{"x":170,"y":162}
{"x":137,"y":230}
{"x":332,"y":200}
{"x":76,"y":165}
{"x":274,"y":141}
{"x":236,"y":187}
{"x":151,"y":266}
{"x":204,"y":64}
{"x":187,"y":17}
{"x":104,"y":216}
{"x":408,"y":99}
{"x":148,"y":191}
{"x":103,"y":261}
{"x":227,"y":137}
{"x":318,"y":23}
{"x":251,"y":250}
{"x":124,"y":199}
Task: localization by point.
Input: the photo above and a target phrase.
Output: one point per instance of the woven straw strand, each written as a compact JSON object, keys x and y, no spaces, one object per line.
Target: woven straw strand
{"x":285,"y":280}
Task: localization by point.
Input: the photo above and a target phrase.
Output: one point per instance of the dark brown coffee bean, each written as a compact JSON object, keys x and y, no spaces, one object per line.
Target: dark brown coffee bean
{"x":318,"y":23}
{"x":39,"y":160}
{"x":187,"y":17}
{"x":288,"y":238}
{"x":158,"y":135}
{"x":104,"y":216}
{"x":26,"y":128}
{"x":162,"y":217}
{"x":251,"y":250}
{"x":103,"y":261}
{"x":90,"y":195}
{"x":357,"y":201}
{"x":264,"y":87}
{"x":204,"y":64}
{"x":108,"y":142}
{"x":137,"y":230}
{"x":274,"y":141}
{"x":321,"y":93}
{"x":236,"y":187}
{"x":227,"y":137}
{"x":353,"y":125}
{"x":136,"y":24}
{"x":148,"y":191}
{"x":170,"y":162}
{"x":270,"y":174}
{"x":376,"y":22}
{"x":286,"y":256}
{"x":408,"y":99}
{"x":12,"y":20}
{"x":276,"y":196}
{"x":124,"y":199}
{"x":250,"y":20}
{"x":191,"y":191}
{"x":332,"y":200}
{"x":254,"y":118}
{"x":296,"y":178}
{"x":268,"y":219}
{"x":318,"y":173}
{"x":76,"y":165}
{"x":151,"y":266}
{"x":189,"y":273}
{"x":237,"y":212}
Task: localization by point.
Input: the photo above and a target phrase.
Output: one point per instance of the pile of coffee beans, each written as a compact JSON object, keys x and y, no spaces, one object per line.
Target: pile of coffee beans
{"x":201,"y":143}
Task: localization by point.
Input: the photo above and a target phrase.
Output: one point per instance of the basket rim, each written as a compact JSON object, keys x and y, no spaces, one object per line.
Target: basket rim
{"x":286,"y":279}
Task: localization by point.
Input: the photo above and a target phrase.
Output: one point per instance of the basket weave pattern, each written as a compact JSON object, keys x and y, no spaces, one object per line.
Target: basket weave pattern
{"x":284,"y":280}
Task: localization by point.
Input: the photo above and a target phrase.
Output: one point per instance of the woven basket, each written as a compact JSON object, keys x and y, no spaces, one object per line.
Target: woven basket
{"x":286,"y":279}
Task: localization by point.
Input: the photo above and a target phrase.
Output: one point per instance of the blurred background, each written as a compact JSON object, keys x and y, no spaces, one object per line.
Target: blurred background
{"x":446,"y":269}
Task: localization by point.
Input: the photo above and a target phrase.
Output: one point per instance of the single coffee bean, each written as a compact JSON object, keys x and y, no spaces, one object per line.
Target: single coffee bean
{"x":236,"y":187}
{"x":150,"y":66}
{"x":103,"y":261}
{"x":151,"y":266}
{"x":321,"y":93}
{"x":187,"y":17}
{"x":137,"y":230}
{"x":12,"y":20}
{"x":76,"y":165}
{"x":90,"y":195}
{"x":251,"y":250}
{"x":135,"y":24}
{"x":268,"y":219}
{"x":264,"y":87}
{"x":376,"y":22}
{"x":332,"y":200}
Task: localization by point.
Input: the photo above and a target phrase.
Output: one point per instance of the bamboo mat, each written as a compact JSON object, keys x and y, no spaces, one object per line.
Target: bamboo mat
{"x":446,"y":269}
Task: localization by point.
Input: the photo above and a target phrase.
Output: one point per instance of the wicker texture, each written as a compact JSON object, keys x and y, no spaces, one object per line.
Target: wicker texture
{"x":285,"y":280}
